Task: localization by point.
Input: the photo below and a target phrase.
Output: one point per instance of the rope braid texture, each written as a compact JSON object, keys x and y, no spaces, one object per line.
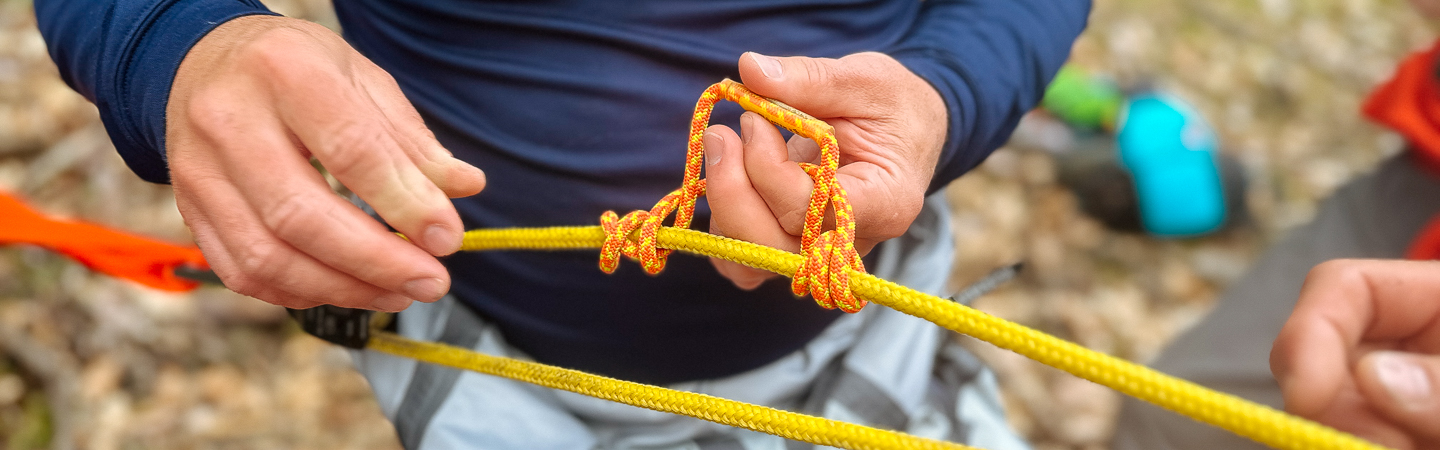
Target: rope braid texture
{"x":829,"y":269}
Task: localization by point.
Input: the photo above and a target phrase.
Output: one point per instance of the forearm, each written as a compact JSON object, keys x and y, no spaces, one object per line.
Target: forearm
{"x":123,"y":55}
{"x":990,"y":61}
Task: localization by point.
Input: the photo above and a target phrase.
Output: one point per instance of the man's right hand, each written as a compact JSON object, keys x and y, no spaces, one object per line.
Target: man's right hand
{"x":251,"y":104}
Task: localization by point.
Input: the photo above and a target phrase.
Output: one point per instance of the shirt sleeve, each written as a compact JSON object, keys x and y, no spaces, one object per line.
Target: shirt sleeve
{"x":990,"y":60}
{"x":123,"y":55}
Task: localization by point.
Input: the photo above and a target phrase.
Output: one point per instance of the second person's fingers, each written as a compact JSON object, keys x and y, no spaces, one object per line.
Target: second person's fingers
{"x":1405,"y":388}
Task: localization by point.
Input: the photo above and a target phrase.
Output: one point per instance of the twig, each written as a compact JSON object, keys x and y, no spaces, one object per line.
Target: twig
{"x":987,"y":284}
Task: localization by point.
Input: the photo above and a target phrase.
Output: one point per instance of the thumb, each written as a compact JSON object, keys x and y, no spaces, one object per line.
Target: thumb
{"x":1405,"y":388}
{"x":853,"y":86}
{"x":736,"y":209}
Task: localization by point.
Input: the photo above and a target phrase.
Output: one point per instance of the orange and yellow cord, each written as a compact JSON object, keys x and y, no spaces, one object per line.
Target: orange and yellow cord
{"x":830,"y":255}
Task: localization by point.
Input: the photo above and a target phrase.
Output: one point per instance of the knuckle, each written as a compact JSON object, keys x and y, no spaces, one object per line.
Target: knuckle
{"x":348,"y":148}
{"x":274,"y":49}
{"x":258,"y":263}
{"x":212,"y":116}
{"x":291,"y":58}
{"x":816,"y":74}
{"x":293,"y":216}
{"x":793,"y":221}
{"x":242,"y":284}
{"x":1342,"y":270}
{"x":1348,"y":275}
{"x":903,"y":214}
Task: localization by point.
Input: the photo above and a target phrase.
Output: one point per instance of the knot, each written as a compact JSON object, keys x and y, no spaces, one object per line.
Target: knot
{"x":645,"y":247}
{"x":825,"y":274}
{"x":617,"y":241}
{"x":830,"y":255}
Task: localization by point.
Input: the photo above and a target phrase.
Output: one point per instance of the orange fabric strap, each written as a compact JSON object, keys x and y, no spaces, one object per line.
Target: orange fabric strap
{"x":143,"y":260}
{"x":1409,"y":103}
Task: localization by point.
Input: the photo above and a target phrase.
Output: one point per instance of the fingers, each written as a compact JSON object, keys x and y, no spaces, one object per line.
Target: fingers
{"x":346,"y":130}
{"x":883,"y":207}
{"x":1405,"y":388}
{"x":250,"y":107}
{"x":294,"y":204}
{"x":1312,"y":354}
{"x":890,"y":124}
{"x":453,"y":176}
{"x":853,"y":86}
{"x":873,"y":192}
{"x":780,"y":182}
{"x":1345,"y":307}
{"x":253,"y":262}
{"x":802,"y":149}
{"x":737,"y":210}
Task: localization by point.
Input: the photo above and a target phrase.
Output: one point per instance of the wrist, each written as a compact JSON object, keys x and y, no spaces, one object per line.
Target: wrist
{"x":216,"y":49}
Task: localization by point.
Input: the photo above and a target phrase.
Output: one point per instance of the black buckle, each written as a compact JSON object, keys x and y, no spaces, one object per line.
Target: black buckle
{"x":347,"y":327}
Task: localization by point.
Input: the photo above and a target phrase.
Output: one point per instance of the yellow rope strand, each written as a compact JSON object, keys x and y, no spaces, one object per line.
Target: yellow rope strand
{"x":1242,"y":417}
{"x":834,"y":275}
{"x":789,"y":425}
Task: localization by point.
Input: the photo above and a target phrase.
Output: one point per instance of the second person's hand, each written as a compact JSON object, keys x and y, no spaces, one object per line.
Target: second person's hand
{"x":1361,"y":352}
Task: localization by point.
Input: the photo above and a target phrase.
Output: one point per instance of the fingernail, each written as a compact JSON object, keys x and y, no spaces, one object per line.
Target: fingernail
{"x":746,"y":125}
{"x":424,"y":289}
{"x":713,"y":141}
{"x":1406,"y":381}
{"x":441,"y":241}
{"x":390,"y":303}
{"x":768,"y":66}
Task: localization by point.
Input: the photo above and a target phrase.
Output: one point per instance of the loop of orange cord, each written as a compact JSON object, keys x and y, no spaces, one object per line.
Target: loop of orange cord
{"x":828,"y":254}
{"x":143,"y":260}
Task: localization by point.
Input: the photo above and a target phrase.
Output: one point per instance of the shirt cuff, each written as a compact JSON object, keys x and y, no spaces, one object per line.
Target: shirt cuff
{"x":135,"y":110}
{"x":953,"y":84}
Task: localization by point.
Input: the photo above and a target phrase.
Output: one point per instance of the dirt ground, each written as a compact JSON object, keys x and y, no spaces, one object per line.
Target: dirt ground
{"x":90,"y":362}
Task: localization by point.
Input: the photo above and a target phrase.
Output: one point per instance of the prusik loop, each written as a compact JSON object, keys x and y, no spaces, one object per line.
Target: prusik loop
{"x":828,"y":254}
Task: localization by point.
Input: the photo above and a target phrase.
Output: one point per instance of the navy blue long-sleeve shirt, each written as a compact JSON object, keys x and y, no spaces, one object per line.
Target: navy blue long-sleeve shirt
{"x":576,"y":107}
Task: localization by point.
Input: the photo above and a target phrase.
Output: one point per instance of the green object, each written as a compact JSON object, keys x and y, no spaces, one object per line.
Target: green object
{"x":1083,"y":100}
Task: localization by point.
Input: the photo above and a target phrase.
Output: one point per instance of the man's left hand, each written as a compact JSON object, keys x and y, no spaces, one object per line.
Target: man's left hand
{"x":890,"y":123}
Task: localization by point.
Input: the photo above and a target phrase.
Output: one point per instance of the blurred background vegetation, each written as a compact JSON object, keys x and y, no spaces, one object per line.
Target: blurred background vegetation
{"x":90,"y":362}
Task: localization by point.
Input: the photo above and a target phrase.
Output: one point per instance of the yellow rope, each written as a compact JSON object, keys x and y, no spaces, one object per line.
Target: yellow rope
{"x":1242,"y":417}
{"x":789,"y":425}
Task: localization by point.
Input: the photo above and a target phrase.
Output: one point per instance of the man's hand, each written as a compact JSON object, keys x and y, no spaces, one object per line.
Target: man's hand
{"x":890,"y":123}
{"x":252,"y":103}
{"x":1361,"y":352}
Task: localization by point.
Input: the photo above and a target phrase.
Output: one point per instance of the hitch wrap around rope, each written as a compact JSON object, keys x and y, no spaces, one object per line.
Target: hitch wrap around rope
{"x":828,"y":254}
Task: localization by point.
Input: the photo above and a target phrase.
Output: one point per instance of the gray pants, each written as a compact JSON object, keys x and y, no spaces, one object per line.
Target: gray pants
{"x":877,"y":367}
{"x":1375,"y":216}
